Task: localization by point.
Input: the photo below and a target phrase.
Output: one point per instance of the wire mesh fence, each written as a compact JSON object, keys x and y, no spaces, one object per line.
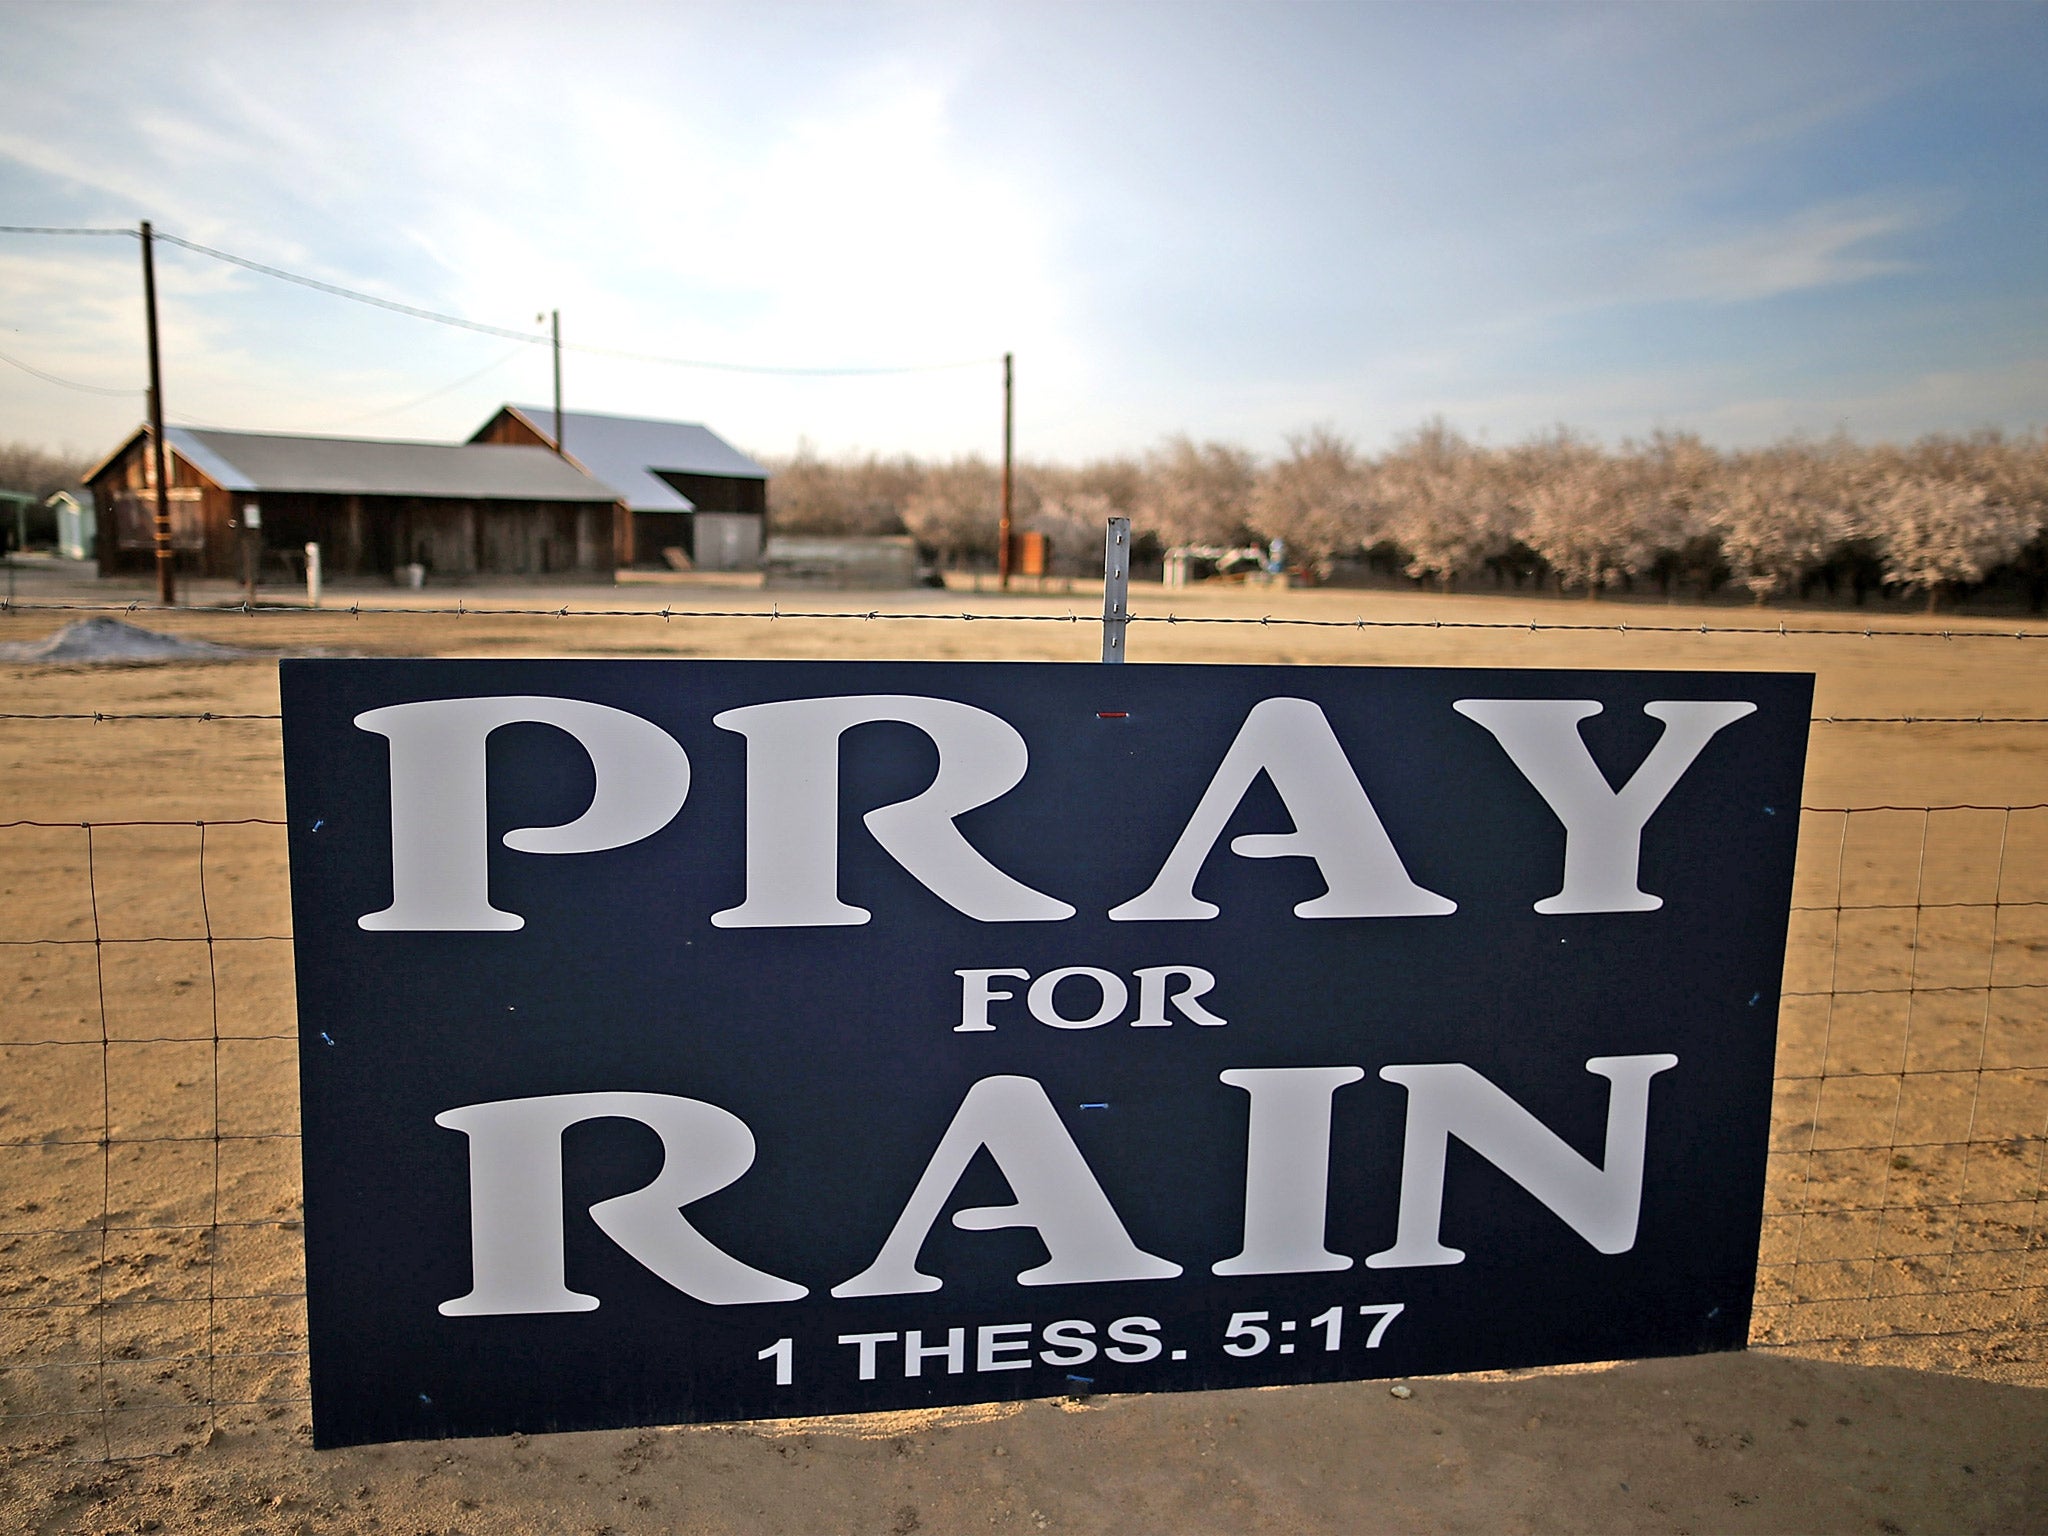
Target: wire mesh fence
{"x":1911,"y":1101}
{"x":151,"y":1254}
{"x":151,"y":1262}
{"x":151,"y":1268}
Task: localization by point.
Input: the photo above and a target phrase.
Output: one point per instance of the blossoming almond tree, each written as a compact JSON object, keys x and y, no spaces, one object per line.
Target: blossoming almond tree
{"x":1315,"y":499}
{"x":1931,"y":516}
{"x":1581,"y":514}
{"x":1196,"y":493}
{"x":957,"y":508}
{"x":1780,"y":514}
{"x":1939,"y":533}
{"x":1444,"y":501}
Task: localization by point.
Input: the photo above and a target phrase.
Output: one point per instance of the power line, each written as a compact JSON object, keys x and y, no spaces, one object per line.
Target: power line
{"x":47,"y":229}
{"x":417,"y":313}
{"x":388,"y":410}
{"x":51,"y":378}
{"x":688,"y":362}
{"x":347,"y":293}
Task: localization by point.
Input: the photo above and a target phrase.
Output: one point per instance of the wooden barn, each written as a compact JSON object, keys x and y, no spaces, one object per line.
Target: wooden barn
{"x":373,"y":507}
{"x":688,"y":489}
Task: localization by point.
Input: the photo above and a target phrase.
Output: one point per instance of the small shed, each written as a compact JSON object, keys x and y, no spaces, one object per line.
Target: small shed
{"x":373,"y":506}
{"x":76,"y":529}
{"x":688,"y":488}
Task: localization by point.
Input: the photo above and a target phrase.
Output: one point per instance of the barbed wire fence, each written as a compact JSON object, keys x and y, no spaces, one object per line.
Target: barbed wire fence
{"x":935,"y":614}
{"x":151,"y":1254}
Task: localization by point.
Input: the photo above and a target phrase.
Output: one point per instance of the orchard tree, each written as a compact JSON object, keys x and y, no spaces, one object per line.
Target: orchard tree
{"x":1119,"y":481}
{"x":1939,"y":534}
{"x":1315,"y":500}
{"x":1444,"y":501}
{"x":808,"y":494}
{"x":956,"y":511}
{"x":1781,"y":514}
{"x":1581,"y":513}
{"x":1194,"y":493}
{"x":1941,"y":513}
{"x":1075,"y":525}
{"x":1669,"y":481}
{"x":37,"y":471}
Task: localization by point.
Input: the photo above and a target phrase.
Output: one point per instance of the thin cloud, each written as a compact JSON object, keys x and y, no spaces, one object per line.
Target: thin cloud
{"x":1826,"y":247}
{"x":1937,"y":400}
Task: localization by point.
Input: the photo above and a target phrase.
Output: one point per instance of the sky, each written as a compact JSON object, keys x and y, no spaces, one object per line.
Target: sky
{"x":1237,"y":221}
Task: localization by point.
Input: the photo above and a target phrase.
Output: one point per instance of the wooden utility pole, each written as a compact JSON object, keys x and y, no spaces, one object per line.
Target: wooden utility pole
{"x":1003,"y":524}
{"x":555,"y":324}
{"x":166,"y":575}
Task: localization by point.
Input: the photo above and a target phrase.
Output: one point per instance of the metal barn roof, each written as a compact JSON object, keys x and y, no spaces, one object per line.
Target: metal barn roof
{"x":349,"y":466}
{"x":629,"y":452}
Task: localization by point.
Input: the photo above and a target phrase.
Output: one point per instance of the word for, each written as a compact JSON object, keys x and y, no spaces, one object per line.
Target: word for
{"x":1042,"y":998}
{"x":440,"y":840}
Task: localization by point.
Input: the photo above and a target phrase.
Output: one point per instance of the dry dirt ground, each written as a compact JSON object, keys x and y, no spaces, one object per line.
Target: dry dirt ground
{"x":148,"y":1185}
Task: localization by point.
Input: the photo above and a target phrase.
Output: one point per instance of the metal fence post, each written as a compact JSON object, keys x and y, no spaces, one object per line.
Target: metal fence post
{"x":1116,"y":588}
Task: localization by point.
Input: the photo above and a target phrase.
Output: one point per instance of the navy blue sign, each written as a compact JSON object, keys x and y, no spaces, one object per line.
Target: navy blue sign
{"x":690,"y":1041}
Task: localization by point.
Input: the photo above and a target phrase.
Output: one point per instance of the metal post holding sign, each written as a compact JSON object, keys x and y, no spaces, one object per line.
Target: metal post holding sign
{"x":1409,"y":1020}
{"x":1116,"y":588}
{"x":1005,"y":551}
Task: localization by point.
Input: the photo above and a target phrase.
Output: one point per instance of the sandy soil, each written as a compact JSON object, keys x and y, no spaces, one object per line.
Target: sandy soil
{"x":1724,"y":1443}
{"x":1904,"y":1217}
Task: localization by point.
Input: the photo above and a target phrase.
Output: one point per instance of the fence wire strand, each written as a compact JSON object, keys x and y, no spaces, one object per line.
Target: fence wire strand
{"x":774,"y":613}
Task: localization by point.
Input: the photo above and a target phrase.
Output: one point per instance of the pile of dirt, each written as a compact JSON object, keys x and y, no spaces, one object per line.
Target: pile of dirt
{"x":98,"y":640}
